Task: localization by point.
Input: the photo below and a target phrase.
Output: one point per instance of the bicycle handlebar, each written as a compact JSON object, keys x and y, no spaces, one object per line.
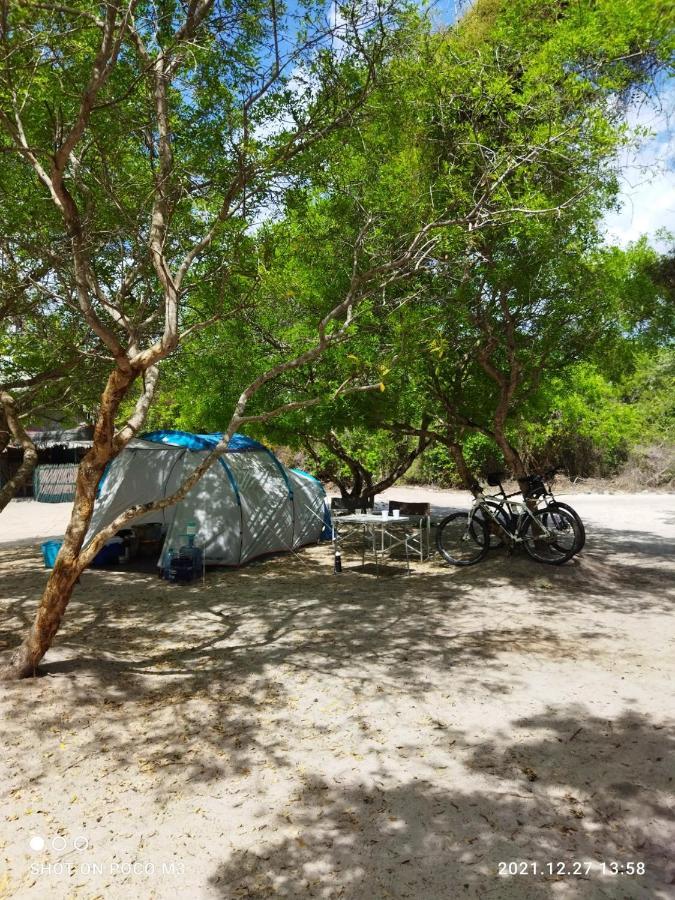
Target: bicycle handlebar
{"x":548,"y":475}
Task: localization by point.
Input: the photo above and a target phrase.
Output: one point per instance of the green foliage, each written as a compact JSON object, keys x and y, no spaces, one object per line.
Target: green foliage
{"x":251,"y":90}
{"x":583,"y":424}
{"x":506,"y":128}
{"x":651,"y":389}
{"x":589,"y":422}
{"x":454,"y":111}
{"x":584,"y":421}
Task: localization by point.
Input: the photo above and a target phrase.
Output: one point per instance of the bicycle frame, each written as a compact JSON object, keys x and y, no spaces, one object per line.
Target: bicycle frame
{"x":502,"y":498}
{"x":519,"y":512}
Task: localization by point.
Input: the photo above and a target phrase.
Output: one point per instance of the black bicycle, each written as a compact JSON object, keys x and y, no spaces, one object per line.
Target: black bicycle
{"x":540,"y":489}
{"x":550,"y":534}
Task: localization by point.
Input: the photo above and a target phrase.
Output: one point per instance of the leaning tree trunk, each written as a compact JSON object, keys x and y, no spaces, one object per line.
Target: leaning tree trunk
{"x":513,"y":458}
{"x":508,"y":385}
{"x":515,"y":462}
{"x":5,"y":433}
{"x":468,"y":478}
{"x":10,"y":424}
{"x":69,"y":565}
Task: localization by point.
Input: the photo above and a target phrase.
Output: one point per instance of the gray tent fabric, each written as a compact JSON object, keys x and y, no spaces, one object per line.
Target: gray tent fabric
{"x":246,"y":505}
{"x":309,"y":500}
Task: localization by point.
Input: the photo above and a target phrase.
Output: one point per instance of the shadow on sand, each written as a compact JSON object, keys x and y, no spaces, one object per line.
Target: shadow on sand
{"x":205,"y":669}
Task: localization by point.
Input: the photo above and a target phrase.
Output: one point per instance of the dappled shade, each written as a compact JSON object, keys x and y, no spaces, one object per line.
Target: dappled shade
{"x":288,"y":732}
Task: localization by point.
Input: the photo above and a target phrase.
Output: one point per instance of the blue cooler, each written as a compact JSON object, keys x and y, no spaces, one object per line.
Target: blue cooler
{"x":50,"y":550}
{"x":109,"y":554}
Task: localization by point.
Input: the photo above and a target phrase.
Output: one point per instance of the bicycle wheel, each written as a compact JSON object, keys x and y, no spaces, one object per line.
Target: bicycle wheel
{"x":462,"y":541}
{"x":575,"y":515}
{"x":500,"y":514}
{"x":552,"y":536}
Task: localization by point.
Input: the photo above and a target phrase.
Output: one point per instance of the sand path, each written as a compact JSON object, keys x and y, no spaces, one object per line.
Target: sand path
{"x":282,"y":732}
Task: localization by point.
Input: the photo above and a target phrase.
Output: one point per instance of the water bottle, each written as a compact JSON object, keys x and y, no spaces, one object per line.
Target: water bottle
{"x":169,"y":560}
{"x":338,"y":562}
{"x":191,"y":531}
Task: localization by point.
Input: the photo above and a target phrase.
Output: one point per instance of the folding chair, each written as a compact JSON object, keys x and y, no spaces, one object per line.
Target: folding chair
{"x":340,"y":507}
{"x":343,"y":507}
{"x":416,"y":541}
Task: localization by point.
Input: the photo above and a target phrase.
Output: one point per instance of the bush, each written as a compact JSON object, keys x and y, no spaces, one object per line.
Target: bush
{"x":586,"y":423}
{"x":590,"y":425}
{"x":649,"y":467}
{"x":437,"y":467}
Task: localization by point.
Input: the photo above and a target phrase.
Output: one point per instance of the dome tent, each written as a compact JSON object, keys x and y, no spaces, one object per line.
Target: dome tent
{"x":247,"y":504}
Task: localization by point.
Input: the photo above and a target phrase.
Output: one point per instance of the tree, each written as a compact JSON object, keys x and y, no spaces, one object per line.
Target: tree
{"x":589,"y":411}
{"x":519,"y":110}
{"x":537,"y":115}
{"x":119,"y":115}
{"x":41,"y":347}
{"x":41,"y":343}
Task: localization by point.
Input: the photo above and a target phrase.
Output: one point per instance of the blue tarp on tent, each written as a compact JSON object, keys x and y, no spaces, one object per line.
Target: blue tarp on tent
{"x":239,"y":443}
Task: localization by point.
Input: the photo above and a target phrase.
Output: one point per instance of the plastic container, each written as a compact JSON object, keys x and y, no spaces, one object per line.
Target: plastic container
{"x":184,"y":566}
{"x":109,"y":554}
{"x":50,"y":550}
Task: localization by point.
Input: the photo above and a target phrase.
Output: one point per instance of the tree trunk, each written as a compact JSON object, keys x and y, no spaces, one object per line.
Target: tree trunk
{"x":364,"y":487}
{"x":513,"y":459}
{"x":10,"y":422}
{"x":468,"y":479}
{"x":68,"y":566}
{"x":352,"y":492}
{"x":5,"y":434}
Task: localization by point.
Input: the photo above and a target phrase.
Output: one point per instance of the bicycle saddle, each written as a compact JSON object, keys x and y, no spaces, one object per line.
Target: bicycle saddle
{"x":494,"y":479}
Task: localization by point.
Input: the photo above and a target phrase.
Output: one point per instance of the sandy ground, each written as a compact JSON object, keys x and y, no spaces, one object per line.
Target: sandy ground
{"x":284,"y":732}
{"x":25,"y":522}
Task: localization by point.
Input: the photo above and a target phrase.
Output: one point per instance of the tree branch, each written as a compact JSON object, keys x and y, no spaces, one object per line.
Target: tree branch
{"x":30,"y":456}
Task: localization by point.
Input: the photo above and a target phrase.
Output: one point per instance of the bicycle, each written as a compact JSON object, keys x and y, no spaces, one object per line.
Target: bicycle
{"x":539,"y":489}
{"x":550,"y":534}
